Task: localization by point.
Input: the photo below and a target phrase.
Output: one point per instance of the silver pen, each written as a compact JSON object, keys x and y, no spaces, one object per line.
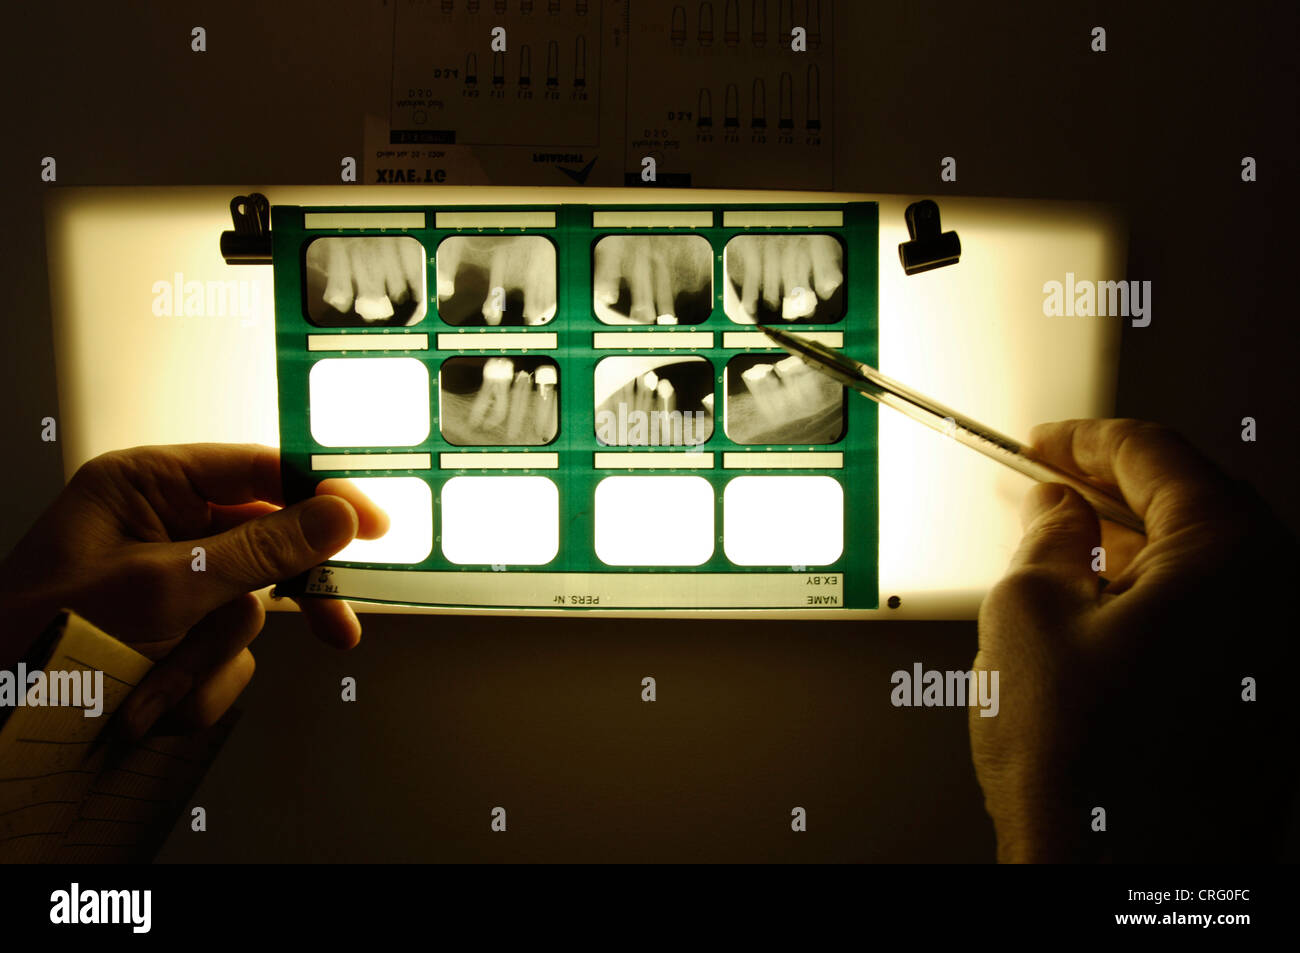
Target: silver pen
{"x":869,"y":381}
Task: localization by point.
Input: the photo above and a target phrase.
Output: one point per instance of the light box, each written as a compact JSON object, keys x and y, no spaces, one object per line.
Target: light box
{"x":137,"y":273}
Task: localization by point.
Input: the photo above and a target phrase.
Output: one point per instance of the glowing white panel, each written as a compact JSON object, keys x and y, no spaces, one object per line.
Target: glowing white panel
{"x":369,"y":402}
{"x":783,"y":520}
{"x":654,"y":520}
{"x":503,"y":521}
{"x":973,"y":336}
{"x":408,"y":501}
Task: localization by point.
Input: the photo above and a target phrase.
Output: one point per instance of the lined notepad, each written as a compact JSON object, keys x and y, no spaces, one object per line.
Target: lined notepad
{"x":65,"y":799}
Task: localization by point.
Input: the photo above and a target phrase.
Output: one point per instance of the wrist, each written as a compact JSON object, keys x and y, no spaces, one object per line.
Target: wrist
{"x":24,"y":615}
{"x":1045,"y":823}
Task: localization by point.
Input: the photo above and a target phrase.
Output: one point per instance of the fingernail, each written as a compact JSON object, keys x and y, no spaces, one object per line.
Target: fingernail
{"x":325,"y":525}
{"x":1039,"y":500}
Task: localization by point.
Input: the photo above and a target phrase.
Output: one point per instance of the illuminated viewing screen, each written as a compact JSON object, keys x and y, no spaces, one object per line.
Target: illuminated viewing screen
{"x":569,"y":406}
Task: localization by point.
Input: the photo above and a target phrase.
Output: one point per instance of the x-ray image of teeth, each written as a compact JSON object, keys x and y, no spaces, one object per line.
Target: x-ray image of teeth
{"x":783,"y":278}
{"x":653,"y":279}
{"x":781,"y":400}
{"x":498,"y":401}
{"x":496,"y":280}
{"x":364,"y":282}
{"x":657,"y":401}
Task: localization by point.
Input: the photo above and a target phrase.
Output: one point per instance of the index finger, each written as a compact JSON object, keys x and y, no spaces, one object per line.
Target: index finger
{"x":222,"y":473}
{"x":1166,"y":481}
{"x":372,"y":522}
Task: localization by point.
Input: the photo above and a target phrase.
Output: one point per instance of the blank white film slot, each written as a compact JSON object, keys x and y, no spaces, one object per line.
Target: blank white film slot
{"x":367,"y":342}
{"x":363,"y":220}
{"x":783,"y":218}
{"x":499,"y":461}
{"x":408,"y":502}
{"x":756,"y":339}
{"x":648,"y":219}
{"x":494,"y":219}
{"x":785,"y":460}
{"x":758,"y":531}
{"x":369,"y":402}
{"x":628,"y":460}
{"x":500,"y":520}
{"x":653,"y":340}
{"x":371,"y":461}
{"x":654,"y":520}
{"x":504,"y":340}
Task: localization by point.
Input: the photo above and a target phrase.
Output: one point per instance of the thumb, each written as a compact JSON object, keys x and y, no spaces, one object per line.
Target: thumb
{"x":1062,"y":540}
{"x":273,"y":548}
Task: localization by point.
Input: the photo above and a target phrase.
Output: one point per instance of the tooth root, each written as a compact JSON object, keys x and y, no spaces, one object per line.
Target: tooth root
{"x":545,"y":412}
{"x":667,"y":396}
{"x":338,"y":275}
{"x":765,"y":386}
{"x":799,"y":385}
{"x":645,"y":392}
{"x":497,"y":374}
{"x":521,"y":392}
{"x":666,"y":403}
{"x":496,"y":414}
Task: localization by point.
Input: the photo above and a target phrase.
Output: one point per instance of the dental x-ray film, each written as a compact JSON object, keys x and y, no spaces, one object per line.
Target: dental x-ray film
{"x":569,"y":407}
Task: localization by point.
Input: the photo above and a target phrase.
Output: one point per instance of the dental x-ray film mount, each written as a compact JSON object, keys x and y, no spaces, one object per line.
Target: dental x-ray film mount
{"x":569,"y":406}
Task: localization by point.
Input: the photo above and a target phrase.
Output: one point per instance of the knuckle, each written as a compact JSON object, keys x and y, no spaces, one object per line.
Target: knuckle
{"x":1027,"y":584}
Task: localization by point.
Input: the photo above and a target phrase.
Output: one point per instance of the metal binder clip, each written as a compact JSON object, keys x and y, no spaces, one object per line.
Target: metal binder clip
{"x":930,"y":247}
{"x":250,"y":242}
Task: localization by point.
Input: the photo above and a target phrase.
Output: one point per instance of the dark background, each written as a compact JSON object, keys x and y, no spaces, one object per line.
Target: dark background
{"x":456,"y":715}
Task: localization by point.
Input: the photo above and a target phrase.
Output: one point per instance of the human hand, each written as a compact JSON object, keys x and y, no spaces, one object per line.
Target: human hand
{"x":1130,"y":697}
{"x":116,"y":547}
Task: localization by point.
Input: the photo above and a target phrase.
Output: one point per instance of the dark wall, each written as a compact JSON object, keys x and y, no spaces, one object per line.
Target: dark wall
{"x":459,"y":715}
